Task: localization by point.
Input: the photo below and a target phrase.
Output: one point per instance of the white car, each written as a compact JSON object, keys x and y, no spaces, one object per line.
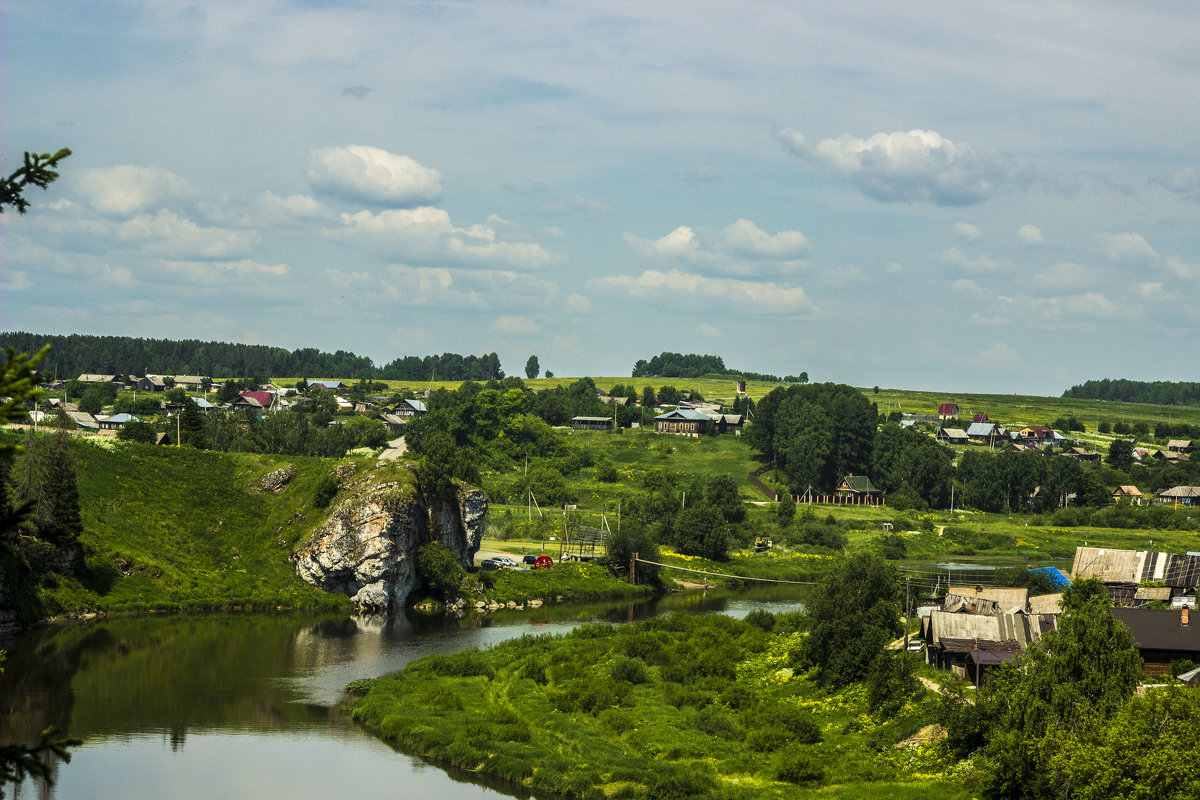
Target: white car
{"x":506,"y":561}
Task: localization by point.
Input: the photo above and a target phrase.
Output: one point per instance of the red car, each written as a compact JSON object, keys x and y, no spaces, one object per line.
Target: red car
{"x":543,"y":562}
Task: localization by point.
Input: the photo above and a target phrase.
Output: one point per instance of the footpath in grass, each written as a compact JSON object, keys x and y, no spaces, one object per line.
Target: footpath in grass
{"x":678,"y":706}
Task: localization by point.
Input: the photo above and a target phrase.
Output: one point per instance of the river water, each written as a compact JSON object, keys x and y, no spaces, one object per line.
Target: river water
{"x":250,"y":706}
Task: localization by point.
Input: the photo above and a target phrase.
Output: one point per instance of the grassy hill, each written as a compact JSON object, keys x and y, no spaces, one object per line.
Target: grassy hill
{"x":175,"y":529}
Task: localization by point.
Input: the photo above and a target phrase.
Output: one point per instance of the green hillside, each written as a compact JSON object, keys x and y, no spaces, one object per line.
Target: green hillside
{"x":174,"y":529}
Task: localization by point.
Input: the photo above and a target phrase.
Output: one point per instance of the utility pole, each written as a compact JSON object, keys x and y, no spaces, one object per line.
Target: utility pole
{"x":633,"y":568}
{"x":907,"y":609}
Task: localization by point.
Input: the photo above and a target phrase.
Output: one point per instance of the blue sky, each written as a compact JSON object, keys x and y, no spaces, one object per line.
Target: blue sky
{"x":986,"y":197}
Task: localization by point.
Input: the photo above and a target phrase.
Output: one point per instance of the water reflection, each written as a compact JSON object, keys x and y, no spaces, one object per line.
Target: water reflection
{"x":235,"y":706}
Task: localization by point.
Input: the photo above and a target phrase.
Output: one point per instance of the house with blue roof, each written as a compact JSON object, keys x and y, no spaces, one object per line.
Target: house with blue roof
{"x":683,"y":422}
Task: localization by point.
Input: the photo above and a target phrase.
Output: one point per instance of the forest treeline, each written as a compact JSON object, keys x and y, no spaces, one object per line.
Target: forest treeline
{"x":1166,"y":393}
{"x":79,"y":353}
{"x":694,"y":365}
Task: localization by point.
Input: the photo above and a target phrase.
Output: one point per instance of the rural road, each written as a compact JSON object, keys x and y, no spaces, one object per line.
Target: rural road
{"x":395,"y":448}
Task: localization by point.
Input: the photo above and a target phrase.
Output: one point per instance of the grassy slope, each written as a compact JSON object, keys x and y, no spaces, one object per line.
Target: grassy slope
{"x":175,"y":528}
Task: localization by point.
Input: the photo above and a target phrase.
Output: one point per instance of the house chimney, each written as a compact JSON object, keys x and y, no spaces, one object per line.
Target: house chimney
{"x":1183,"y":616}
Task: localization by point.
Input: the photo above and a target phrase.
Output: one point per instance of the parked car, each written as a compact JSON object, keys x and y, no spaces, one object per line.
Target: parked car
{"x":529,"y":560}
{"x":543,"y":562}
{"x":505,"y":562}
{"x":490,"y":563}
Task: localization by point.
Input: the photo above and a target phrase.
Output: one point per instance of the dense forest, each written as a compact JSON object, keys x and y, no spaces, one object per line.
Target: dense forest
{"x":694,"y":365}
{"x":1167,"y":393}
{"x":79,"y":353}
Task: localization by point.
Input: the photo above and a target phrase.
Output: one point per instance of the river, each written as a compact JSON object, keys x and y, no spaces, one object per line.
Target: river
{"x":250,"y":706}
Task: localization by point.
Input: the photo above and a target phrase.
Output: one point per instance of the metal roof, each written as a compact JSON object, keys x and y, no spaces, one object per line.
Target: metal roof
{"x":684,"y":413}
{"x":981,"y":429}
{"x":1160,"y":629}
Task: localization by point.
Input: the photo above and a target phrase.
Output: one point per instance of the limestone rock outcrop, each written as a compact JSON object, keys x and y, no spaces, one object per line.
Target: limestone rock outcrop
{"x":367,"y":547}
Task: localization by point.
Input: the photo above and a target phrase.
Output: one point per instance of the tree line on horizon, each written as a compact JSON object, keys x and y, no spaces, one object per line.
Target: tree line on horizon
{"x":74,"y":354}
{"x":695,"y":365}
{"x":1165,"y":393}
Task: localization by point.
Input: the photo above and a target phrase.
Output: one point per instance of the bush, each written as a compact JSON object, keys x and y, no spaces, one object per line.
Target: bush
{"x":326,"y":490}
{"x":630,"y":670}
{"x":440,"y":572}
{"x":761,"y":618}
{"x":795,"y":764}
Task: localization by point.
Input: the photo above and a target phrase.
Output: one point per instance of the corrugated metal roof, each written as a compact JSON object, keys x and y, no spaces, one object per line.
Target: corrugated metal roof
{"x":683,"y":413}
{"x":980,"y":429}
{"x":1005,"y":597}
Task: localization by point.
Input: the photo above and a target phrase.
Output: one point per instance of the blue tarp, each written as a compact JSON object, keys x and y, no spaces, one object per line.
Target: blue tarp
{"x":1061,"y":581}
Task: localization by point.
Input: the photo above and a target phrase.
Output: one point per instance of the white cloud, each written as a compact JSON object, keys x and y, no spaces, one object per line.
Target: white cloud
{"x":1181,"y":267}
{"x":578,"y":304}
{"x":510,"y":325}
{"x":1186,"y":181}
{"x":18,"y":281}
{"x":1088,"y":305}
{"x":273,"y":210}
{"x":1062,"y":276}
{"x":709,"y":330}
{"x":406,"y":286}
{"x":974,"y":266}
{"x":1127,"y":247}
{"x":426,"y":233}
{"x":168,"y":235}
{"x":125,"y":190}
{"x":374,"y":176}
{"x":681,"y":289}
{"x":970,"y":232}
{"x":1029,"y":235}
{"x":894,"y":268}
{"x":1151,"y":289}
{"x":918,"y":165}
{"x":844,"y":277}
{"x":968,"y":287}
{"x":119,"y":276}
{"x":747,"y":239}
{"x":220,"y":271}
{"x":741,"y":249}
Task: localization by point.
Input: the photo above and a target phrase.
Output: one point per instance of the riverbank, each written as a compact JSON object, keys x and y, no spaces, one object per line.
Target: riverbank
{"x":678,"y":706}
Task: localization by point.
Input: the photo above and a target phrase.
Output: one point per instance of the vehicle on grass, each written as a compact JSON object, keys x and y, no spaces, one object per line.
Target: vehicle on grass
{"x":491,"y":563}
{"x":506,"y":562}
{"x":529,"y":560}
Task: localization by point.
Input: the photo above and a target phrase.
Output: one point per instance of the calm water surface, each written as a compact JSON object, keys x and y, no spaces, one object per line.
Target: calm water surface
{"x":250,"y":706}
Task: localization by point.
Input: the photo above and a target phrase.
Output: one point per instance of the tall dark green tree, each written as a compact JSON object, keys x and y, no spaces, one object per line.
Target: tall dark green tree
{"x":853,"y":614}
{"x":532,"y":368}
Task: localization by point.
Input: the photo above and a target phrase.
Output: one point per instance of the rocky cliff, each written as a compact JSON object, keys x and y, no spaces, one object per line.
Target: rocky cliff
{"x":367,"y":547}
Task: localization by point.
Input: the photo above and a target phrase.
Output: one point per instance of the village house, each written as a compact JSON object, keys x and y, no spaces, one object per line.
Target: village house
{"x":858,"y":489}
{"x":409,"y":408}
{"x":1162,"y":636}
{"x":683,"y":422}
{"x":971,"y":644}
{"x":947,"y":411}
{"x":728,"y":423}
{"x":1127,"y":494}
{"x":89,"y":379}
{"x":1180,"y":446}
{"x":151,"y":383}
{"x":952,"y":436}
{"x":1123,"y":571}
{"x":985,"y":433}
{"x":116,"y":421}
{"x":1180,"y":496}
{"x":395,"y":423}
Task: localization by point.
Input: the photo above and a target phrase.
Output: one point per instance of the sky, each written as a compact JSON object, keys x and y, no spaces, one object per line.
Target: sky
{"x":985,"y":197}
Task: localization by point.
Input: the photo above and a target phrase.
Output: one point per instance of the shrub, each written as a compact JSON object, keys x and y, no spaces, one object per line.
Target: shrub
{"x":630,"y":670}
{"x":796,"y":764}
{"x":326,"y":490}
{"x":761,"y":618}
{"x":441,"y":574}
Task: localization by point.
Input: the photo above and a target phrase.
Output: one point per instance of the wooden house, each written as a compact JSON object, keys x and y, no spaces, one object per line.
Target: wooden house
{"x":952,"y":436}
{"x":1180,"y":446}
{"x":683,"y":422}
{"x":409,"y":408}
{"x":1180,"y":496}
{"x":1127,"y":494}
{"x":858,"y":489}
{"x":1162,"y":636}
{"x":947,"y":411}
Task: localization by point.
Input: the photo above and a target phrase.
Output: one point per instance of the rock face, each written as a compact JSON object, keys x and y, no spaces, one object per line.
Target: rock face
{"x":367,"y":548}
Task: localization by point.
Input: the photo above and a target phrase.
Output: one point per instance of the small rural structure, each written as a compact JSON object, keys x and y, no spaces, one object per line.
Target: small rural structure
{"x":858,"y":490}
{"x":952,"y":436}
{"x":971,"y":644}
{"x":947,"y":411}
{"x":592,"y":423}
